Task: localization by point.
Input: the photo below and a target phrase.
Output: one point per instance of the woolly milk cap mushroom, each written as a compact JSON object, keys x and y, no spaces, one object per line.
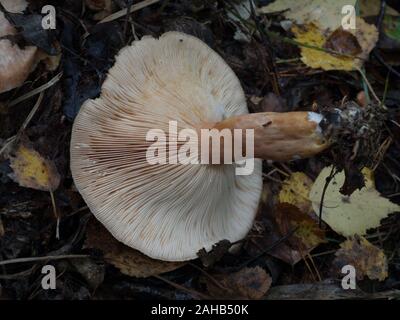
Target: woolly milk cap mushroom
{"x":170,"y":211}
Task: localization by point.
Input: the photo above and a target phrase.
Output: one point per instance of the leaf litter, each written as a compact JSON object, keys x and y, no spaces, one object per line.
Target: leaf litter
{"x":288,"y":58}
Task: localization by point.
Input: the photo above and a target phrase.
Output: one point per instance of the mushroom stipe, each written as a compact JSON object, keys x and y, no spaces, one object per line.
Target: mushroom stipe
{"x":171,"y":211}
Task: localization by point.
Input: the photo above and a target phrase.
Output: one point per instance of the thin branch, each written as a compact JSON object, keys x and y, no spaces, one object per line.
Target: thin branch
{"x":45,"y":258}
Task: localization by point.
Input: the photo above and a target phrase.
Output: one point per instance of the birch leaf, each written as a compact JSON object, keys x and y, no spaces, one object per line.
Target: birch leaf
{"x":295,"y":191}
{"x":326,"y":15}
{"x":364,"y":36}
{"x":32,"y":170}
{"x":350,"y":215}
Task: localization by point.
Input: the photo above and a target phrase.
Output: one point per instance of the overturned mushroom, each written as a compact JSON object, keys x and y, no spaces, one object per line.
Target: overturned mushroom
{"x":171,"y":211}
{"x":15,"y":63}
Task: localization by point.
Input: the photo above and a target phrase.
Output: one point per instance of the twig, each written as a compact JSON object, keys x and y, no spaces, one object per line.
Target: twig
{"x":279,"y":61}
{"x":396,"y":123}
{"x":53,"y":202}
{"x":45,"y":258}
{"x":269,"y":248}
{"x":315,"y":267}
{"x":123,"y":12}
{"x":328,"y":180}
{"x":78,"y":211}
{"x":324,"y":253}
{"x":14,"y":276}
{"x":209,"y":276}
{"x":385,"y":90}
{"x":272,"y":179}
{"x":370,"y":87}
{"x":381,"y":15}
{"x":32,"y":113}
{"x":7,"y":143}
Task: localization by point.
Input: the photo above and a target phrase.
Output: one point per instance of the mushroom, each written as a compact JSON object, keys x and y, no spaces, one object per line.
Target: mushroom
{"x":171,"y":211}
{"x":15,"y":63}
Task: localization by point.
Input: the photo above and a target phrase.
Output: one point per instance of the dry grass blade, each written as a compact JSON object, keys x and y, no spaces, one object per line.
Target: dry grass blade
{"x":124,"y":12}
{"x":37,"y":90}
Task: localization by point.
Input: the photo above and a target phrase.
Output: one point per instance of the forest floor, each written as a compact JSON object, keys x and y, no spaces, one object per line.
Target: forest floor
{"x":293,"y":250}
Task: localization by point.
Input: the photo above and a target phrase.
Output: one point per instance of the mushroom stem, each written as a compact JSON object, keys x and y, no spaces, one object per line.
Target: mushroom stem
{"x":277,"y":136}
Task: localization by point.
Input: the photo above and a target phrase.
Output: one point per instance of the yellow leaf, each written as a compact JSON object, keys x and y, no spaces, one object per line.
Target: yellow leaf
{"x":315,"y":21}
{"x":350,"y":215}
{"x":31,"y":170}
{"x":326,"y":14}
{"x":295,"y":191}
{"x":310,"y":34}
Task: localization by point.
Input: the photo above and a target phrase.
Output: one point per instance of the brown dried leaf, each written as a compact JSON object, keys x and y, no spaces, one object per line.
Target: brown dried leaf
{"x":265,"y":234}
{"x":343,"y":42}
{"x":248,"y":283}
{"x":129,"y":261}
{"x":306,"y":235}
{"x":217,"y":252}
{"x":32,"y":170}
{"x":367,"y":259}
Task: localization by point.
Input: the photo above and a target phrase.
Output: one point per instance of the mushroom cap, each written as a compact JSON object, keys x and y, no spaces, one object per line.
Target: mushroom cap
{"x":167,"y":211}
{"x":15,"y":63}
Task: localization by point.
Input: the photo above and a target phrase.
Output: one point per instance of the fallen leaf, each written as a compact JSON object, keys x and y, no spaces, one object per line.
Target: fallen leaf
{"x":129,"y":261}
{"x":389,"y":37}
{"x":33,"y":32}
{"x":319,"y":24}
{"x":266,"y":234}
{"x":295,"y":191}
{"x":248,"y":283}
{"x":343,"y":42}
{"x":354,"y":214}
{"x":306,"y":232}
{"x":90,"y":270}
{"x":372,"y":8}
{"x":32,"y":170}
{"x":326,"y":15}
{"x":367,"y":259}
{"x":365,"y":38}
{"x":215,"y":254}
